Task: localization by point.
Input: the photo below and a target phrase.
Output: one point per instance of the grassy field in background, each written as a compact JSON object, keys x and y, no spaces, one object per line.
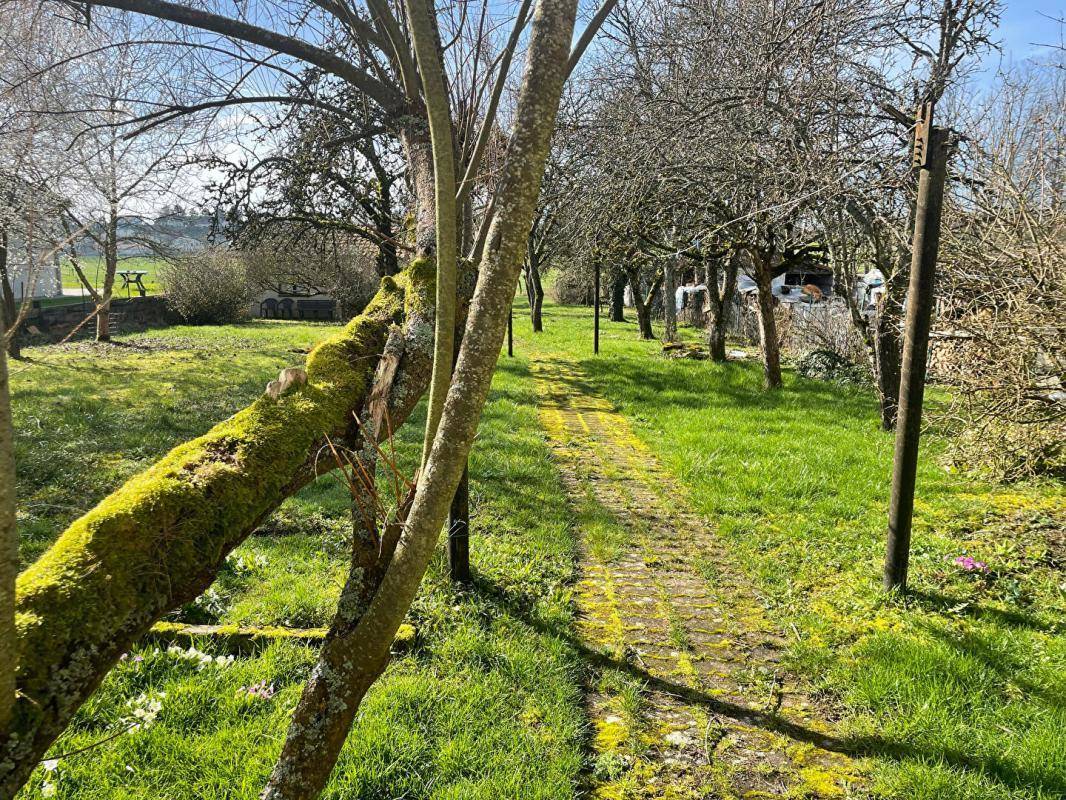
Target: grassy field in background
{"x":484,"y":705}
{"x":93,"y":267}
{"x":956,"y":692}
{"x":959,"y":690}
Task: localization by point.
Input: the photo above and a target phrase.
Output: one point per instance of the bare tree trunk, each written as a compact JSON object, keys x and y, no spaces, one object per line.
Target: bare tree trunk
{"x":425,"y":37}
{"x":771,"y":351}
{"x":103,"y":316}
{"x":669,"y":303}
{"x":536,"y":291}
{"x":643,"y":303}
{"x":8,"y":308}
{"x":9,"y":557}
{"x":618,"y":298}
{"x":721,"y":302}
{"x":887,"y":347}
{"x":418,"y":151}
{"x":387,"y":261}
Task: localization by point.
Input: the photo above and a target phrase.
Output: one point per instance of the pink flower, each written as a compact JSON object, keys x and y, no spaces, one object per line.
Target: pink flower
{"x":969,"y":564}
{"x":261,"y":690}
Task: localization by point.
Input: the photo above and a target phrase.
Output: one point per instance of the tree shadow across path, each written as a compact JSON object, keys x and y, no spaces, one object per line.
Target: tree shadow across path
{"x":863,"y":745}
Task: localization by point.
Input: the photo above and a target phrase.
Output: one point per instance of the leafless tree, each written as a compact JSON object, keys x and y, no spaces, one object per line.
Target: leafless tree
{"x":248,"y":464}
{"x":1001,"y":328}
{"x":117,"y":178}
{"x":33,"y":157}
{"x":931,"y":46}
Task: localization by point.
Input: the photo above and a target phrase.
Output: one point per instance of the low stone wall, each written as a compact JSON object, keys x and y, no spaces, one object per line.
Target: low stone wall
{"x":53,"y":323}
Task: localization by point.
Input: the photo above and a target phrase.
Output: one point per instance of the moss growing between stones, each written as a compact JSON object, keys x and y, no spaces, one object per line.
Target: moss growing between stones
{"x":158,"y":541}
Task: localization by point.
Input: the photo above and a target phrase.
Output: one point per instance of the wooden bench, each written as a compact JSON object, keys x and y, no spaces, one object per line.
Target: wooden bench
{"x":316,"y":309}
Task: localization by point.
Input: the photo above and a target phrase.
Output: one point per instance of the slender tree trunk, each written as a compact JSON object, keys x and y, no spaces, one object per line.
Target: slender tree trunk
{"x":771,"y":351}
{"x":418,"y":151}
{"x":103,"y":314}
{"x":8,"y":307}
{"x":536,"y":291}
{"x":721,"y":303}
{"x":669,"y":303}
{"x":425,"y":37}
{"x":8,"y":551}
{"x":618,"y":298}
{"x":887,"y":347}
{"x":643,"y":310}
{"x":387,"y":260}
{"x":527,"y":281}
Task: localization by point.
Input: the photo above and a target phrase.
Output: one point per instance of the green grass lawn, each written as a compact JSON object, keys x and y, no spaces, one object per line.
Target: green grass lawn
{"x":956,"y":692}
{"x":959,"y":690}
{"x":485,"y":705}
{"x":93,"y":267}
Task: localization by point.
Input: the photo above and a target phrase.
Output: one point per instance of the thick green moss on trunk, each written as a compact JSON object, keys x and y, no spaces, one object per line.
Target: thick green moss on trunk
{"x":158,"y":541}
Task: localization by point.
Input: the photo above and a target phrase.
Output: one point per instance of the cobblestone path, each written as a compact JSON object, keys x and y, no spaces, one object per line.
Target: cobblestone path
{"x":685,"y":690}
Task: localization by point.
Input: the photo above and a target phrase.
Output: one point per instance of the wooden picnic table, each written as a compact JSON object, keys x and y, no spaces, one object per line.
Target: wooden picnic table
{"x":133,"y":279}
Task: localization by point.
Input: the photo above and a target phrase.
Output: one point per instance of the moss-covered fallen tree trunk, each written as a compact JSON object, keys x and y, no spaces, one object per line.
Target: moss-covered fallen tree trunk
{"x":159,"y":540}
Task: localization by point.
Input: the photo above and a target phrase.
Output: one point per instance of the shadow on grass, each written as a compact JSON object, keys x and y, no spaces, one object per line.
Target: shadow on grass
{"x":998,"y":769}
{"x":952,"y":606}
{"x":972,"y":645}
{"x":729,"y":385}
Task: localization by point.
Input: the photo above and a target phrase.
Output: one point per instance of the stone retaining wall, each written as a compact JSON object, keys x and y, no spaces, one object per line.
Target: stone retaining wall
{"x":53,"y":323}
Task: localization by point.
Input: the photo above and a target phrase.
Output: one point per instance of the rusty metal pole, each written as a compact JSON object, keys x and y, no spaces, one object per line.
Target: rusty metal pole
{"x":931,"y":156}
{"x":459,"y":515}
{"x":596,"y":313}
{"x":510,"y":331}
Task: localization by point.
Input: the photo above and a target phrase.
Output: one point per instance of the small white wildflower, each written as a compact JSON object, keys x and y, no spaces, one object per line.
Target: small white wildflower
{"x":48,"y":789}
{"x":51,"y":765}
{"x":144,"y":709}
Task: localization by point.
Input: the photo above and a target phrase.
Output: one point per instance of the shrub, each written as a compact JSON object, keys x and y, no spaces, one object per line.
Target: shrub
{"x":210,"y":287}
{"x":570,"y":286}
{"x":826,"y":365}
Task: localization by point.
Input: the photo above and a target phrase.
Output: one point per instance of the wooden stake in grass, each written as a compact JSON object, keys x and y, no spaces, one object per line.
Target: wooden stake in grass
{"x":931,"y":156}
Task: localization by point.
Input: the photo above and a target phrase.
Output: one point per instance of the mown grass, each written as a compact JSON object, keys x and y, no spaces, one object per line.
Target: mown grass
{"x":486,"y":704}
{"x":957,"y":690}
{"x":93,"y":267}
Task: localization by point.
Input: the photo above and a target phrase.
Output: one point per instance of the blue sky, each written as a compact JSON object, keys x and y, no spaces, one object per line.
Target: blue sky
{"x":1025,"y":25}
